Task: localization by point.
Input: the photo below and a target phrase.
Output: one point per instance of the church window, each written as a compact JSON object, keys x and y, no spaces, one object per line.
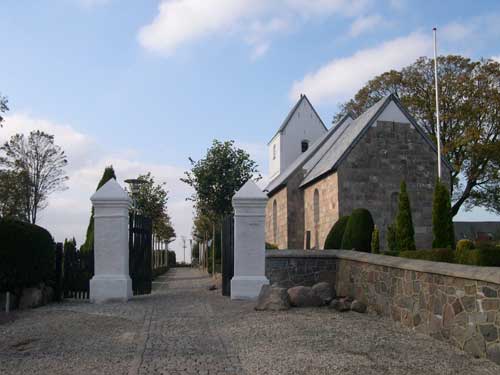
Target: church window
{"x":304,"y":146}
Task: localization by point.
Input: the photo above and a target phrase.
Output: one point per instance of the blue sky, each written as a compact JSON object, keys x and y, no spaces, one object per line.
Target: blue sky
{"x":146,"y":84}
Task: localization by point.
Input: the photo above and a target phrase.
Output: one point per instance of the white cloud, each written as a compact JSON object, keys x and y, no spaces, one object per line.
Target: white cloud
{"x":68,"y":211}
{"x":456,"y":31}
{"x":363,"y":24}
{"x":340,"y":78}
{"x":180,"y":22}
{"x":496,"y":58}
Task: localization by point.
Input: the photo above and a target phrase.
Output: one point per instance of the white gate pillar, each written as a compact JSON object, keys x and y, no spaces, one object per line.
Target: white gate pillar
{"x":111,"y":281}
{"x":249,"y":205}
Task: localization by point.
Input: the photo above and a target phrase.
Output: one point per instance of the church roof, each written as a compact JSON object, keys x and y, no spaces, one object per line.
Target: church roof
{"x":331,"y":154}
{"x":292,"y":112}
{"x":308,"y":155}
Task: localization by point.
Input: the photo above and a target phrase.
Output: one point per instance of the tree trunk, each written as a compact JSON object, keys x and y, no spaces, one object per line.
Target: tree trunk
{"x":213,"y":250}
{"x":466,"y":193}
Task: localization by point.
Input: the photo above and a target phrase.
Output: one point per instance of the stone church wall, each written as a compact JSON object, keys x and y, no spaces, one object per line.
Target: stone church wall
{"x":281,"y":238}
{"x":328,"y":209}
{"x":371,"y":174}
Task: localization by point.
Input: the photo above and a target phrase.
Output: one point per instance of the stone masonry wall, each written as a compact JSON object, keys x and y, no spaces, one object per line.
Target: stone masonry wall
{"x":281,"y":239}
{"x":454,"y":303}
{"x":295,"y":211}
{"x":304,"y":269}
{"x":328,"y":209}
{"x":371,"y":175}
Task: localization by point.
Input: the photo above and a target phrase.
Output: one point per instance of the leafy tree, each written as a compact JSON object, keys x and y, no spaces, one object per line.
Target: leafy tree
{"x":216,"y":178}
{"x":41,"y":164}
{"x":151,"y":200}
{"x":442,"y":220}
{"x":358,"y":232}
{"x":470,"y":119}
{"x":405,"y":233}
{"x":12,"y":195}
{"x":88,"y":245}
{"x":3,"y":108}
{"x":375,"y":240}
{"x":392,"y":244}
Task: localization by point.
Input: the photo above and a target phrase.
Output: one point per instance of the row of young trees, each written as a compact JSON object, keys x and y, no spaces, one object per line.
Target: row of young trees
{"x":31,"y":168}
{"x":215,"y":179}
{"x":401,"y":234}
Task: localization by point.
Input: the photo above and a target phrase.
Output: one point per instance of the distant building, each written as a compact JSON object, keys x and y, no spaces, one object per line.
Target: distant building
{"x":477,"y":230}
{"x":319,"y":174}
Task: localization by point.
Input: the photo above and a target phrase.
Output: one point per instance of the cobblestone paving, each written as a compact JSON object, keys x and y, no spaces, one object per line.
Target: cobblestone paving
{"x":182,"y":328}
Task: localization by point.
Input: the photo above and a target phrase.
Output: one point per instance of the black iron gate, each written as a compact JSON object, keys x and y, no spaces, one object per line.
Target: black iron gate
{"x":77,"y":269}
{"x":227,"y":254}
{"x":140,"y":248}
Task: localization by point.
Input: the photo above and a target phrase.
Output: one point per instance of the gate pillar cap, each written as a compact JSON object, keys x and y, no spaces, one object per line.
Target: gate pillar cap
{"x":250,"y":191}
{"x":111,"y":191}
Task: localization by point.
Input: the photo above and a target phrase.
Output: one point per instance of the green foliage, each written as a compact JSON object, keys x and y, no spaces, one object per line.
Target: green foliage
{"x":27,"y":254}
{"x":358,"y":231}
{"x":392,"y":244}
{"x":151,"y":200}
{"x":435,"y":255}
{"x":486,"y":255}
{"x":405,"y":234}
{"x":391,"y":253}
{"x":88,"y":245}
{"x":40,"y":164}
{"x":334,"y":237}
{"x":12,"y":195}
{"x":271,"y":246}
{"x":195,"y":254}
{"x":376,"y":241}
{"x":462,"y":252}
{"x":172,"y":258}
{"x":470,"y":125}
{"x":217,"y":177}
{"x":442,"y":220}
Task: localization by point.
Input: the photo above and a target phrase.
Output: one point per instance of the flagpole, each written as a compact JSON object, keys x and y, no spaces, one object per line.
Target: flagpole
{"x":438,"y":126}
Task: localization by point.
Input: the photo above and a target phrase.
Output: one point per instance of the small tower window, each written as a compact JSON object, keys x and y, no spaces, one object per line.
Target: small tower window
{"x":274,"y":152}
{"x":304,"y":146}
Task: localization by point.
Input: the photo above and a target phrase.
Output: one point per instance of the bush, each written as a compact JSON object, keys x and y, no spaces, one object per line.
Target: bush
{"x":334,"y":238}
{"x":358,"y":231}
{"x":405,"y":234}
{"x":391,"y":253}
{"x":375,"y":241}
{"x":271,"y":246}
{"x":27,"y":254}
{"x":442,"y":220}
{"x":486,"y":255}
{"x":463,"y":251}
{"x":392,"y":244}
{"x":435,"y":255}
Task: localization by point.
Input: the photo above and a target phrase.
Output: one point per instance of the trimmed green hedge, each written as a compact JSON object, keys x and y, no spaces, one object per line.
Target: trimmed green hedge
{"x":486,"y":255}
{"x":435,"y":255}
{"x":358,"y":232}
{"x":27,"y":255}
{"x":334,"y":238}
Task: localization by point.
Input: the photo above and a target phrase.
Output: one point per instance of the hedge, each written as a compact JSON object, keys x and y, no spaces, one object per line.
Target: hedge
{"x":435,"y":255}
{"x":334,"y":237}
{"x":27,"y":254}
{"x":358,"y":232}
{"x":271,"y":246}
{"x":486,"y":255}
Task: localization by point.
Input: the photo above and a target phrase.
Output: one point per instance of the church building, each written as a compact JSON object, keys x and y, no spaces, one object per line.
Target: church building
{"x":319,"y":174}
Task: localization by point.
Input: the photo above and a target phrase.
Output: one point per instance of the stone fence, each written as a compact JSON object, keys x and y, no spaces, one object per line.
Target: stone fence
{"x":456,"y":303}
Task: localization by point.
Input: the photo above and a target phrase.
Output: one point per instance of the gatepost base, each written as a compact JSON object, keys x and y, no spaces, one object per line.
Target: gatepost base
{"x":110,"y":288}
{"x":247,"y":287}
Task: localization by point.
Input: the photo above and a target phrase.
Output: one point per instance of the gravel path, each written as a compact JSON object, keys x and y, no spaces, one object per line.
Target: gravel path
{"x":182,"y":328}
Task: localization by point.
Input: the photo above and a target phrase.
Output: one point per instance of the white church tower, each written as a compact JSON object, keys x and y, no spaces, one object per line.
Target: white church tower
{"x":301,"y":128}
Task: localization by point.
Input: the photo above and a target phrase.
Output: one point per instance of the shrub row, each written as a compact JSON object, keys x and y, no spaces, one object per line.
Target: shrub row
{"x":435,"y":255}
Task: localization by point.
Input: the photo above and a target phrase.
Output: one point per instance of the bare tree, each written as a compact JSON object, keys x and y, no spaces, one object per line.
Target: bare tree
{"x":3,"y":107}
{"x":41,"y":164}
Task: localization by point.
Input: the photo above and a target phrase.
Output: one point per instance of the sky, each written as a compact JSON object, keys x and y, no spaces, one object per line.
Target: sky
{"x":144,"y":85}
